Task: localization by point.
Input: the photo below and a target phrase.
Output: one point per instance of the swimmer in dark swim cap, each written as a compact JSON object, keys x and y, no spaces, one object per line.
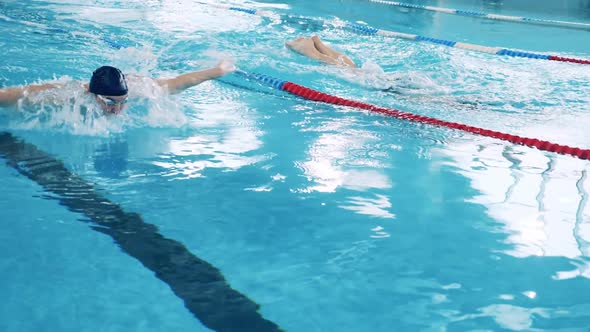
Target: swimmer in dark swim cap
{"x":109,"y":86}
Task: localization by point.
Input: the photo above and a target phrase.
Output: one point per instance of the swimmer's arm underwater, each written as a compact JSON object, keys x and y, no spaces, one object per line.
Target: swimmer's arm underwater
{"x":185,"y":81}
{"x":11,"y":96}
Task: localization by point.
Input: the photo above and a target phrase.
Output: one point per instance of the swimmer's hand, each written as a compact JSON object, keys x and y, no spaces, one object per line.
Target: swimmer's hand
{"x":185,"y":81}
{"x":226,"y":66}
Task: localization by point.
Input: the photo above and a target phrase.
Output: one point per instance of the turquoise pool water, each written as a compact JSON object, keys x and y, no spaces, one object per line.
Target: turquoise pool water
{"x":329,"y":218}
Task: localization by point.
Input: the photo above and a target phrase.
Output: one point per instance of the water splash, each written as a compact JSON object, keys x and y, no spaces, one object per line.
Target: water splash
{"x":71,"y":109}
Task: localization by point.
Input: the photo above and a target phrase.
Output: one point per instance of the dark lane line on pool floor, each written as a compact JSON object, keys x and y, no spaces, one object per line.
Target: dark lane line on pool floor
{"x":202,"y":287}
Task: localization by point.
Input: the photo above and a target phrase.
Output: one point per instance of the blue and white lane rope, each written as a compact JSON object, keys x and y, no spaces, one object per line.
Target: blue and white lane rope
{"x":112,"y":43}
{"x":264,"y":79}
{"x":486,"y":15}
{"x":262,"y":13}
{"x":368,"y":30}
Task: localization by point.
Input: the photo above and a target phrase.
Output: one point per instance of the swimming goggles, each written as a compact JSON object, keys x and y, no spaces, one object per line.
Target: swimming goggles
{"x":111,"y":102}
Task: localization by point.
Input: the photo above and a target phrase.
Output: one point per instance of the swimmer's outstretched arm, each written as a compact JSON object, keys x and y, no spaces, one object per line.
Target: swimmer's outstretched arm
{"x":10,"y":96}
{"x":185,"y":81}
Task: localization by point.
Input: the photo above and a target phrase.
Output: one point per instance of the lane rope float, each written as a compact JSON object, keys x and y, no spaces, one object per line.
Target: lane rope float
{"x":315,"y":95}
{"x":477,"y":14}
{"x":364,"y":29}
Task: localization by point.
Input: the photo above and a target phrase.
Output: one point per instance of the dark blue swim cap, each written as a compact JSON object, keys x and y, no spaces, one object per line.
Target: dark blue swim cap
{"x":108,"y":81}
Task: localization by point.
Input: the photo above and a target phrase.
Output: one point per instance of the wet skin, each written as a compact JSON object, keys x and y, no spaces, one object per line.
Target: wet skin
{"x":111,"y":104}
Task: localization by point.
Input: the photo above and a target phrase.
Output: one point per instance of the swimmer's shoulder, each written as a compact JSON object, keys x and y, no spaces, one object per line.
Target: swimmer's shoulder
{"x":143,"y":86}
{"x":55,"y":93}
